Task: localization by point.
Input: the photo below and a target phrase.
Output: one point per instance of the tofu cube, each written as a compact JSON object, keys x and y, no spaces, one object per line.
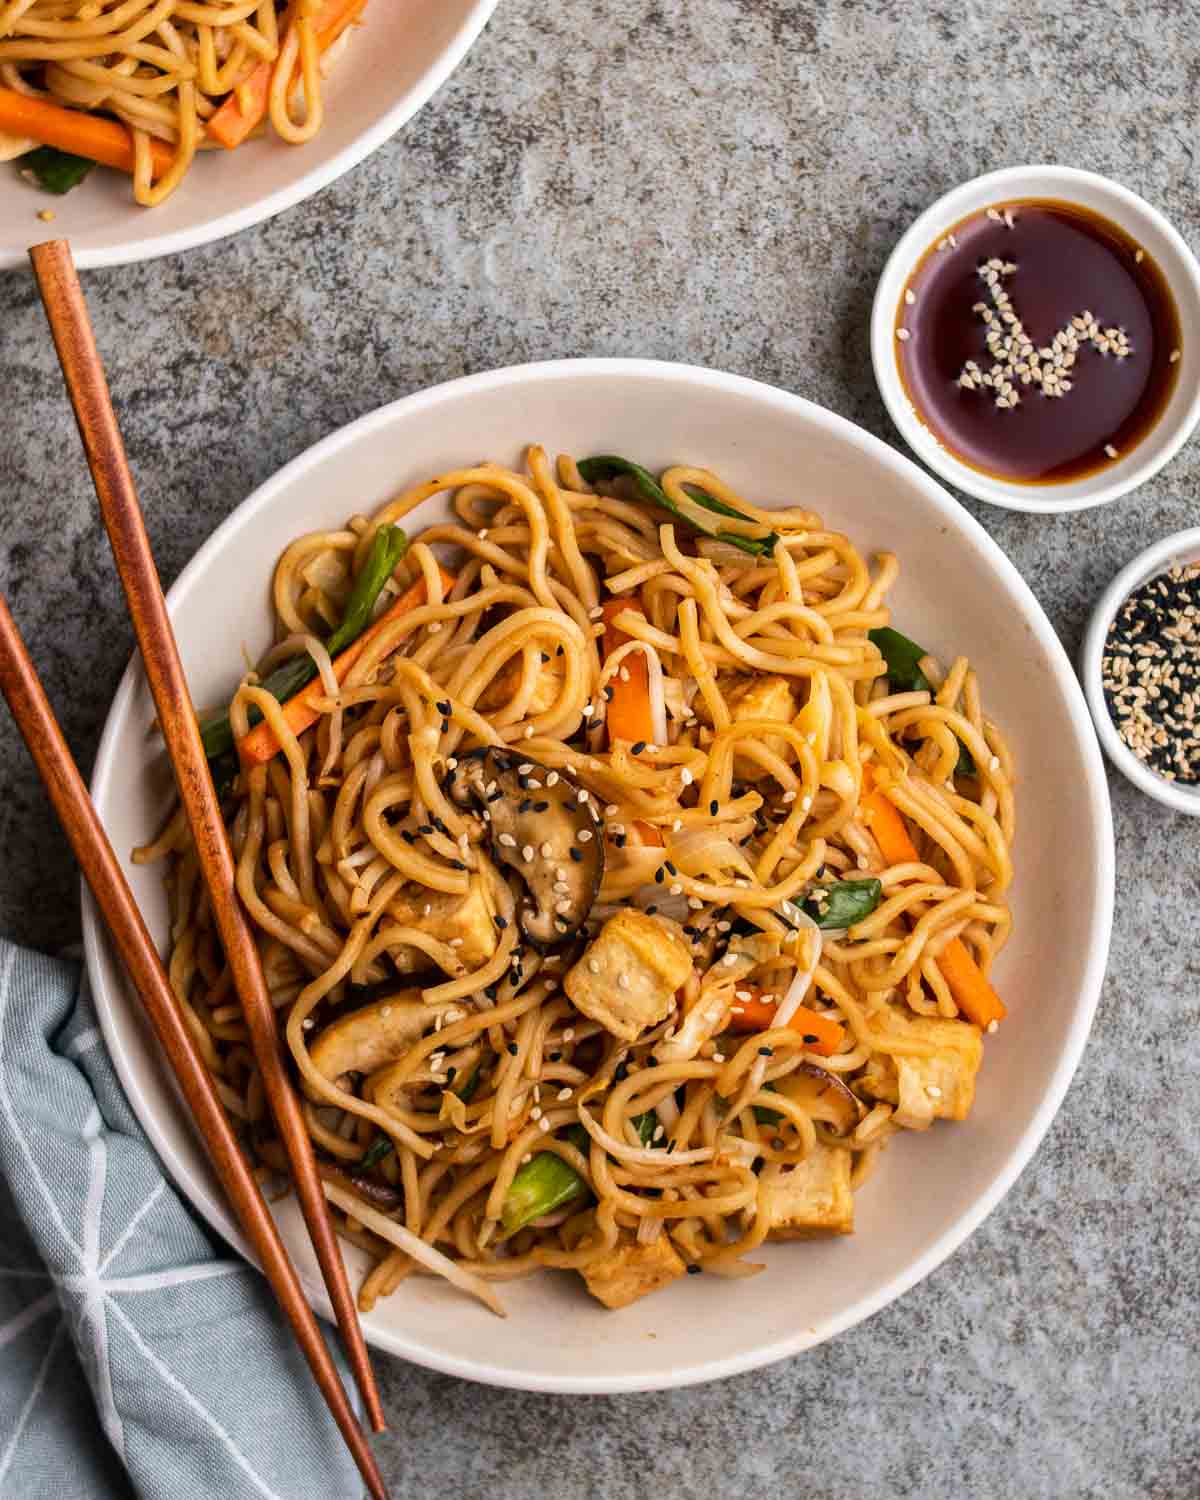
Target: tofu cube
{"x":628,"y":977}
{"x":470,"y":917}
{"x":765,"y":698}
{"x":547,"y":688}
{"x":813,"y":1198}
{"x":630,"y":1271}
{"x":937,"y":1086}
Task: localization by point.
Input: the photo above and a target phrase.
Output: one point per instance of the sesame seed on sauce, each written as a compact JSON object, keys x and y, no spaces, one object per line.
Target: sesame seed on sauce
{"x":1150,"y":672}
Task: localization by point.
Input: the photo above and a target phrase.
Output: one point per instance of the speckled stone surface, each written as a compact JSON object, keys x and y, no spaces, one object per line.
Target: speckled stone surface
{"x":717,"y":181}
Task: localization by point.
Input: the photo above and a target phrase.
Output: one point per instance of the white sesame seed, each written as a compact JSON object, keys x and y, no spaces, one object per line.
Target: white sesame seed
{"x":695,"y":903}
{"x":993,"y":1027}
{"x":789,"y":797}
{"x":482,"y":533}
{"x":456,"y":942}
{"x":1111,"y":451}
{"x":1174,"y":356}
{"x":547,"y":849}
{"x":308,"y":1023}
{"x":508,"y":841}
{"x":676,"y":825}
{"x":596,"y":613}
{"x":623,"y":981}
{"x":527,"y":1158}
{"x":569,"y":1034}
{"x":676,"y":889}
{"x":903,"y":334}
{"x":909,"y":296}
{"x":718,"y":1057}
{"x":933,"y":1091}
{"x":584,"y":835}
{"x":686,"y":777}
{"x":527,"y":853}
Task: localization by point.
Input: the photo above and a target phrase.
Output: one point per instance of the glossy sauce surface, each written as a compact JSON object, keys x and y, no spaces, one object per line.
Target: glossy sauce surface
{"x":1056,"y":263}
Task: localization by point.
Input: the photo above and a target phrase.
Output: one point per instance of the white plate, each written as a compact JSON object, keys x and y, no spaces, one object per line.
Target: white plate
{"x":957,"y":592}
{"x":395,"y":61}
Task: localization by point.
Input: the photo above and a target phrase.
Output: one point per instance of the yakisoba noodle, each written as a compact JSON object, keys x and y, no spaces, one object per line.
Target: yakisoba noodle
{"x":560,"y":994}
{"x":187,"y":73}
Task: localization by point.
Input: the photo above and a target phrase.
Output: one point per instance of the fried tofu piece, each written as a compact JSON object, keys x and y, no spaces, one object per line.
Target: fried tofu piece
{"x":939,"y":1086}
{"x":628,"y":976}
{"x":630,"y":1271}
{"x":765,"y":698}
{"x":813,"y":1198}
{"x":547,"y":687}
{"x":470,"y":917}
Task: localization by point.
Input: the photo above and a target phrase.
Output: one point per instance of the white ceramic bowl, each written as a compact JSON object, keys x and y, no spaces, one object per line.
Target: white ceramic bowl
{"x":1182,"y":547}
{"x":957,"y":592}
{"x":1145,"y":225}
{"x":400,"y":56}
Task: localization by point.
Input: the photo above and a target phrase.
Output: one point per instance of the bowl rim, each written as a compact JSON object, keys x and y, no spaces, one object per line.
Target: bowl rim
{"x":152,"y":246}
{"x":1149,"y":562}
{"x":1042,"y":179}
{"x":1103,"y":877}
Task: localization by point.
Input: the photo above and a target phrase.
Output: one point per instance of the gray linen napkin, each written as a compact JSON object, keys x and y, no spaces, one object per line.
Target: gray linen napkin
{"x":138,"y":1356}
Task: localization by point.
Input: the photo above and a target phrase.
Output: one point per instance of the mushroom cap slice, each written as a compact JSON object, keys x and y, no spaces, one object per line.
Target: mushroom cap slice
{"x":542,"y":827}
{"x":822,"y":1095}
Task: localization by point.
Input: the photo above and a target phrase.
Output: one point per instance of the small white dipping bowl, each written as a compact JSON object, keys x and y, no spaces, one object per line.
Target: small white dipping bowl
{"x":957,"y":592}
{"x":1181,"y":548}
{"x":1143,"y":224}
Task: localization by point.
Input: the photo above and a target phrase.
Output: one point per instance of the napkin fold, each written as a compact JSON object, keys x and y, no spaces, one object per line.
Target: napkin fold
{"x":138,"y":1355}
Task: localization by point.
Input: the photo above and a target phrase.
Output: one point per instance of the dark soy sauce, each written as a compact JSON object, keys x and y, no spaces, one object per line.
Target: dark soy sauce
{"x":1075,"y":287}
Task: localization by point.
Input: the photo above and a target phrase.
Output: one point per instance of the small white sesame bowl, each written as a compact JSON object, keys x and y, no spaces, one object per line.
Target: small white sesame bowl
{"x":1180,"y":548}
{"x":1142,"y":223}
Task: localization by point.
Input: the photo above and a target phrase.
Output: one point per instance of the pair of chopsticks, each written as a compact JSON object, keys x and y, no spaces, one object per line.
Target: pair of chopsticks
{"x":88,"y":390}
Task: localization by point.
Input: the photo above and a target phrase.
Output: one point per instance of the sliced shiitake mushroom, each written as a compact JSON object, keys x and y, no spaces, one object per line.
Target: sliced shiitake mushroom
{"x":822,"y":1095}
{"x":541,"y":825}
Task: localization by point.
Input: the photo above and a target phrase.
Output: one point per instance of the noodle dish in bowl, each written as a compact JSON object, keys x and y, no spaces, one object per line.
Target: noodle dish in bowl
{"x":635,"y":864}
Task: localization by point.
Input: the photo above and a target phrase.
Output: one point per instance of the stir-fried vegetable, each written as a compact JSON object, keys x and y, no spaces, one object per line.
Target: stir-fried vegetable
{"x":56,"y":171}
{"x":629,"y":715}
{"x":836,"y":906}
{"x":380,"y":1147}
{"x":76,"y":132}
{"x":821,"y":1033}
{"x":903,"y":658}
{"x":247,"y":105}
{"x":972,"y":993}
{"x":547,"y":1182}
{"x":606,"y":466}
{"x":387,"y":548}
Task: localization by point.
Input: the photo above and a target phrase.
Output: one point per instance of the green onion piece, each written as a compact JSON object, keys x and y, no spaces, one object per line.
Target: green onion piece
{"x":380,"y":1147}
{"x":387,"y":548}
{"x":547,"y":1182}
{"x":607,"y":466}
{"x":56,"y":171}
{"x":843,"y":903}
{"x":903,"y":658}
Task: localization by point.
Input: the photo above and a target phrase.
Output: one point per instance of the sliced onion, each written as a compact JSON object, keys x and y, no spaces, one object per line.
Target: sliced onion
{"x":709,"y":849}
{"x":700,"y":1025}
{"x":803,"y":978}
{"x":404,"y":1239}
{"x":640,"y":1156}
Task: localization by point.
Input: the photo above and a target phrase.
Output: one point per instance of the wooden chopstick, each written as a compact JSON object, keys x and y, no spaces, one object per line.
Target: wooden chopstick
{"x":35,"y":719}
{"x":88,"y":390}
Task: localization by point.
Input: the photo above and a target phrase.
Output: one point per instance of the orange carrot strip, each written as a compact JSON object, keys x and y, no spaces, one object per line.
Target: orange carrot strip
{"x":756,"y":1014}
{"x":629,"y":717}
{"x":650,"y":836}
{"x":230,"y":126}
{"x":105,"y":141}
{"x":301,"y":710}
{"x":972,"y":993}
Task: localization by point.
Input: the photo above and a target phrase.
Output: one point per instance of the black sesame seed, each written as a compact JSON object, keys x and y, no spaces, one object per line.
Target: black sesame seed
{"x":650,"y":910}
{"x":445,"y":726}
{"x":545,"y":657}
{"x":443,"y":707}
{"x":766,"y":1052}
{"x":608,"y":693}
{"x":501,"y":922}
{"x":671,"y":870}
{"x":620,"y":839}
{"x":425,"y":828}
{"x":621,"y":1072}
{"x":524,"y":805}
{"x":512,"y":1049}
{"x":450,"y":1072}
{"x":556,"y":1057}
{"x":576,"y":854}
{"x":457,"y":864}
{"x":713,"y":807}
{"x":440,"y":826}
{"x":409,"y":838}
{"x":639,"y":747}
{"x":659,"y":875}
{"x":810,"y":1039}
{"x":541,"y":807}
{"x":496,"y":795}
{"x":694,"y":1270}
